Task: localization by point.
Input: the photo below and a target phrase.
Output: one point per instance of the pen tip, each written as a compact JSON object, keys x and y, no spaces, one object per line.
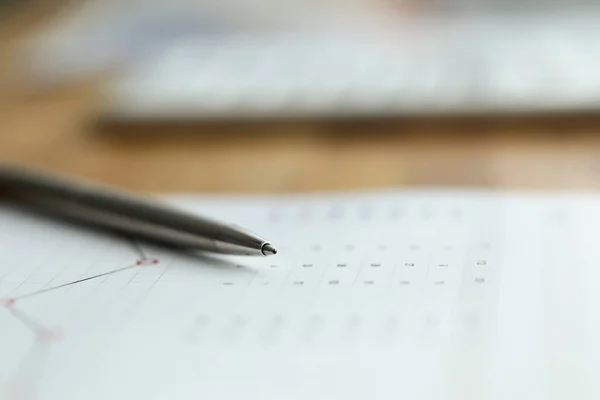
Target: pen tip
{"x":267,"y":249}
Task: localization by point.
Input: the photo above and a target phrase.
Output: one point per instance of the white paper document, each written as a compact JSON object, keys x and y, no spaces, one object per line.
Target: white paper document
{"x":438,"y":295}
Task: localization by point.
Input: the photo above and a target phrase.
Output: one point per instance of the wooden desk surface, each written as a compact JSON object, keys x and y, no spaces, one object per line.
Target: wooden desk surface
{"x":54,"y":130}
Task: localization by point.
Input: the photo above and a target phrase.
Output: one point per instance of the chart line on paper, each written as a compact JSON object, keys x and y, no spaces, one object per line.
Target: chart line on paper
{"x":89,"y":278}
{"x":23,"y":384}
{"x":26,"y":321}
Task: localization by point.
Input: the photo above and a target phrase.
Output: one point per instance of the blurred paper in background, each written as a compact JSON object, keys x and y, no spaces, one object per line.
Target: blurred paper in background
{"x":265,"y":58}
{"x":94,"y":34}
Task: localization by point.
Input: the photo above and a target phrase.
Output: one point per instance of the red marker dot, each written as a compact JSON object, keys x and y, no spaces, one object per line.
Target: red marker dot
{"x":147,"y":261}
{"x":7,"y":302}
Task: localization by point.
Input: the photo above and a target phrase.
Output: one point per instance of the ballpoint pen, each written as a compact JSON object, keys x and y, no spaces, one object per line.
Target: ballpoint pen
{"x":124,"y":213}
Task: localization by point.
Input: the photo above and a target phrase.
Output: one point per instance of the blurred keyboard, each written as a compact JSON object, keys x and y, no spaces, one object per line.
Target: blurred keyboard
{"x":510,"y":65}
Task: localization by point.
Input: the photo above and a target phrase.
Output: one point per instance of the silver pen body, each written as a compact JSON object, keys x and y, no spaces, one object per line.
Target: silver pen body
{"x":127,"y":214}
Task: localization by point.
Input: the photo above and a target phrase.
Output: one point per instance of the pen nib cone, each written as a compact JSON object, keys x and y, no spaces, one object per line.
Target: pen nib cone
{"x":268,"y":250}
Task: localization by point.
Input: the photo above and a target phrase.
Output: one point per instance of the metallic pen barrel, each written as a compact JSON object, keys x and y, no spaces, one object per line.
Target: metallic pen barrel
{"x":128,"y":214}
